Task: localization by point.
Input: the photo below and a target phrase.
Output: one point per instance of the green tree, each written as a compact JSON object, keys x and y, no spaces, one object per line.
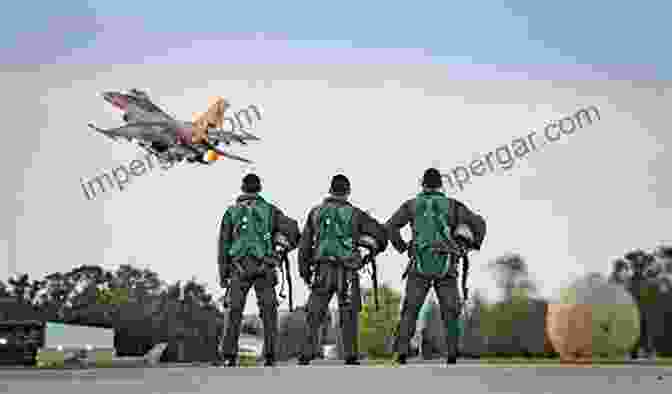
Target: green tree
{"x":663,"y":256}
{"x":57,"y":289}
{"x":20,"y":288}
{"x":619,"y":271}
{"x":646,"y":277}
{"x":500,"y":323}
{"x":376,"y":327}
{"x":113,"y":296}
{"x":512,"y":275}
{"x":499,"y":319}
{"x":141,"y":283}
{"x":84,"y":282}
{"x":36,"y":287}
{"x":197,"y":294}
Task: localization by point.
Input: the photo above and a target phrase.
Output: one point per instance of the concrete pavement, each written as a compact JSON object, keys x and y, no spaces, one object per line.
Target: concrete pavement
{"x":327,"y":377}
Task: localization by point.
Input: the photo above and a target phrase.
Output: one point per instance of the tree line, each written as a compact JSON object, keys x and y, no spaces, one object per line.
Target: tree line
{"x":141,"y":308}
{"x":145,"y":310}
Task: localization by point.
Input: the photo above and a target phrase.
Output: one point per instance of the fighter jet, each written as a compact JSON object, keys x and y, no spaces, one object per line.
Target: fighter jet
{"x":170,"y":139}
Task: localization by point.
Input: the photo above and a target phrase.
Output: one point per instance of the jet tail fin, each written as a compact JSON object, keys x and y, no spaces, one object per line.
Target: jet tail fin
{"x":215,"y":113}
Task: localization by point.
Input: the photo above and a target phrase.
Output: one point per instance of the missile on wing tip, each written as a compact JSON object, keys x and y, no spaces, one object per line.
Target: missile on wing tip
{"x":101,"y":131}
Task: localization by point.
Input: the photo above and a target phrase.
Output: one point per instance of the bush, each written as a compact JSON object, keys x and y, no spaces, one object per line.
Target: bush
{"x":50,"y":359}
{"x":118,"y":296}
{"x":377,"y":326}
{"x":594,"y":318}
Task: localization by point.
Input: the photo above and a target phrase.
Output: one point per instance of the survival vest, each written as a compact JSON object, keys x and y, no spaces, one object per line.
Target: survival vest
{"x":432,"y":213}
{"x":334,"y":231}
{"x":252,"y":226}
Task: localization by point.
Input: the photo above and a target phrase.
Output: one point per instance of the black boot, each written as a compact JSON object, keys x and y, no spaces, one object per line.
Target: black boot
{"x":270,"y":361}
{"x":401,"y":359}
{"x":352,"y":361}
{"x":219,"y":360}
{"x":450,"y":360}
{"x":304,"y":360}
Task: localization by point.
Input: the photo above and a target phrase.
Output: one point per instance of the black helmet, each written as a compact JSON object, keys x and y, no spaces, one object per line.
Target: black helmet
{"x":340,"y":185}
{"x":251,"y":184}
{"x":432,"y":179}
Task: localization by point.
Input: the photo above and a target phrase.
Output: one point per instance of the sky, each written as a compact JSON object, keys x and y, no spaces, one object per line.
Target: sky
{"x":375,"y":92}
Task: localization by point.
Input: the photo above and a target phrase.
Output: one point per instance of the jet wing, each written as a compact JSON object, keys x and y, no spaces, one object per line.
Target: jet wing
{"x":148,"y":106}
{"x":231,"y":156}
{"x":134,"y":116}
{"x":111,"y":134}
{"x":137,"y":107}
{"x":229,"y":136}
{"x":147,"y":131}
{"x":249,"y":136}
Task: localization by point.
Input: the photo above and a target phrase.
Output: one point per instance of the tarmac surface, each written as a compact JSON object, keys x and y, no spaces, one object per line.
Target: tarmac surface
{"x":330,"y":377}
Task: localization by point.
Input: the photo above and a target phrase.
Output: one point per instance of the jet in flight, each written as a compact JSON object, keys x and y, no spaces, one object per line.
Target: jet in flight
{"x":170,"y":139}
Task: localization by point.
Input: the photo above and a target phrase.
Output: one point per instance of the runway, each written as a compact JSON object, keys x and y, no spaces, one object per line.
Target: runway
{"x":465,"y":378}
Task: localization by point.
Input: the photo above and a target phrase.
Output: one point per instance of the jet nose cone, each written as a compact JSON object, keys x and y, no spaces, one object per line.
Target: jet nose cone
{"x":116,"y":99}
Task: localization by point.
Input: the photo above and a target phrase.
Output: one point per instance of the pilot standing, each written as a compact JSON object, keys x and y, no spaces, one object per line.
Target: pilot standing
{"x":254,"y":236}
